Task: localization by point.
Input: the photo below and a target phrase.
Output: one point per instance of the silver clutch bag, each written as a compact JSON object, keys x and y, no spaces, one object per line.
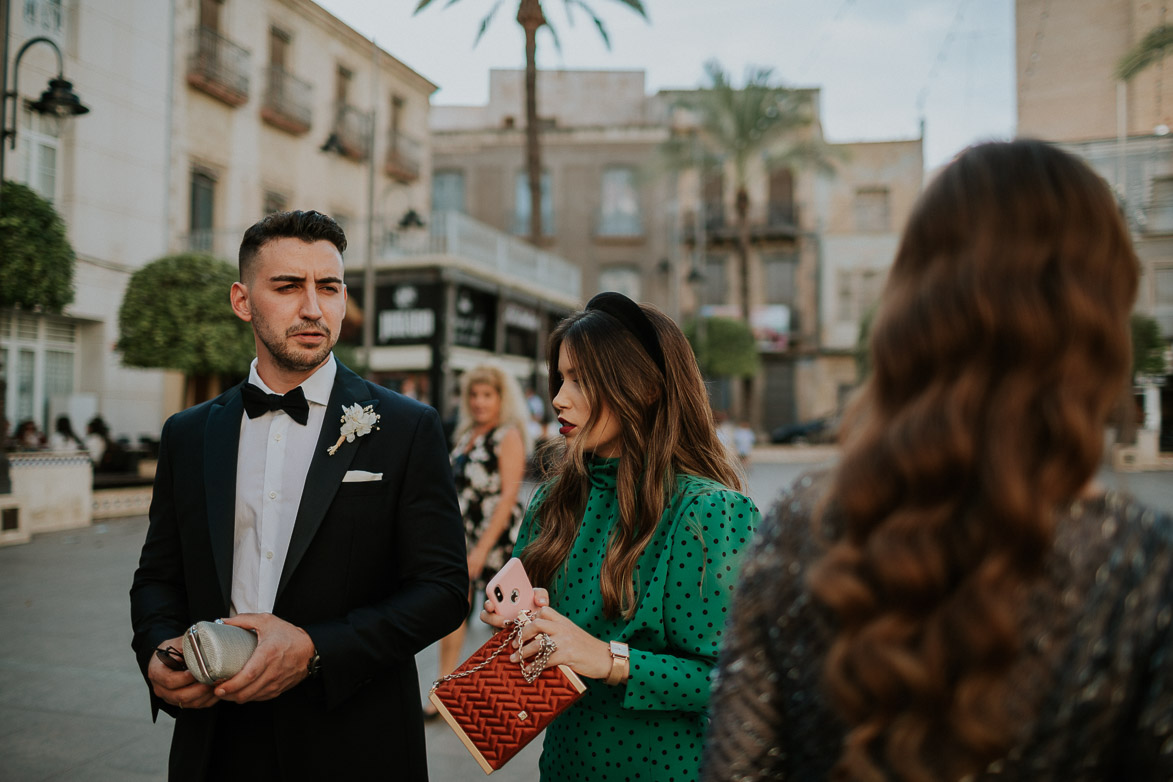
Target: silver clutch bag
{"x":215,"y":651}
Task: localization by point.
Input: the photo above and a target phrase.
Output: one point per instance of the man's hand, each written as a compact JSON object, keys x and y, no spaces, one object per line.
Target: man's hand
{"x":278,"y":664}
{"x":179,"y":688}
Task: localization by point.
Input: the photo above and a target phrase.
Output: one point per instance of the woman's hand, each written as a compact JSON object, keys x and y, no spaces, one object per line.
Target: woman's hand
{"x":574,"y":647}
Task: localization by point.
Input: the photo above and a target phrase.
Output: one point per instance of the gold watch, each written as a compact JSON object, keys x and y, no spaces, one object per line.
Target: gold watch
{"x":620,"y":663}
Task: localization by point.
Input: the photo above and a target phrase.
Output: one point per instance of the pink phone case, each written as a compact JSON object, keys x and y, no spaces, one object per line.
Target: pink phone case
{"x":510,"y":592}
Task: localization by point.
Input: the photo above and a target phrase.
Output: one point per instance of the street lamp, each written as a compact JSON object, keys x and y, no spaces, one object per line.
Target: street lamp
{"x":58,"y":100}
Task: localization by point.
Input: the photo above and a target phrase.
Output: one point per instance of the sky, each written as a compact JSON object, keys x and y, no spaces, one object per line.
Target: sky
{"x":882,"y":65}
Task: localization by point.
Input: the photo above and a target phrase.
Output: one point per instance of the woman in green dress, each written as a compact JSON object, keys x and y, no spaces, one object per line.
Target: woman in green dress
{"x":634,"y":542}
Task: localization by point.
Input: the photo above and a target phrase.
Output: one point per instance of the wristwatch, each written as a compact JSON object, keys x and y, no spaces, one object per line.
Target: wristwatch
{"x":315,"y":665}
{"x":620,"y":663}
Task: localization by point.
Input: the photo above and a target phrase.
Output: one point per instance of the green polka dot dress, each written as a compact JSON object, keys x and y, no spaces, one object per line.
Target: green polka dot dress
{"x":652,"y":727}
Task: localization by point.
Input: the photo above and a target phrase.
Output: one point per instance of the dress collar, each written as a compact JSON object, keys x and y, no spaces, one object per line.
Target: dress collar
{"x":603,"y":472}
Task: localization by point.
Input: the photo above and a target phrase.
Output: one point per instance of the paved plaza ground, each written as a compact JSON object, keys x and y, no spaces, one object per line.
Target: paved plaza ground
{"x":74,"y":707}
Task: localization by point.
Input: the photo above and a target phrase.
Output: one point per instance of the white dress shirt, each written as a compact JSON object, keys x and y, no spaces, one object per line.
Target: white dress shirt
{"x":271,"y":465}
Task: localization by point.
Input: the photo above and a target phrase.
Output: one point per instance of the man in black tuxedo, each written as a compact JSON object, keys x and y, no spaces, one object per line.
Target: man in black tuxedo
{"x":346,"y":561}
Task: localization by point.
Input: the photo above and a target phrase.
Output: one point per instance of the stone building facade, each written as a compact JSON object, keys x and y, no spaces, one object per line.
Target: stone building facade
{"x":205,"y":116}
{"x":821,"y":242}
{"x":1067,"y":92}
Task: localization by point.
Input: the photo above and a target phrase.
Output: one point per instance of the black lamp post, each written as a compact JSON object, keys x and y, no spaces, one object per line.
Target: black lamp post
{"x":58,"y":100}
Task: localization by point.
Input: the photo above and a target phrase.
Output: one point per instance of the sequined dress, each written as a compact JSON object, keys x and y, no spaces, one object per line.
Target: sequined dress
{"x":651,"y":728}
{"x":1093,"y":687}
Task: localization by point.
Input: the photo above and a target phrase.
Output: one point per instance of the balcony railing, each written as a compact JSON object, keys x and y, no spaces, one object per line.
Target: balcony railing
{"x":287,"y":101}
{"x":352,"y":130}
{"x":403,"y":158}
{"x":221,"y":242}
{"x":460,"y":237}
{"x":218,"y":67}
{"x":782,"y":215}
{"x":618,"y":225}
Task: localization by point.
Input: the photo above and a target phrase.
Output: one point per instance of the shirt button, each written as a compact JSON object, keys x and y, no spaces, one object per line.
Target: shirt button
{"x":277,"y":437}
{"x":268,"y":555}
{"x":272,"y":495}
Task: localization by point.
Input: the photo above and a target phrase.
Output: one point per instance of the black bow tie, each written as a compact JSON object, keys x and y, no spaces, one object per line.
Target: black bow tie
{"x":257,"y":402}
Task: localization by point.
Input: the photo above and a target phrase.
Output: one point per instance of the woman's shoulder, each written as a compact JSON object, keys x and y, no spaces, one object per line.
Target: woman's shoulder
{"x":500,"y":433}
{"x":693,"y":487}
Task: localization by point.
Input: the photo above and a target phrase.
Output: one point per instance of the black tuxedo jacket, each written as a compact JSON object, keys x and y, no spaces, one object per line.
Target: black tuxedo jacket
{"x":376,"y":571}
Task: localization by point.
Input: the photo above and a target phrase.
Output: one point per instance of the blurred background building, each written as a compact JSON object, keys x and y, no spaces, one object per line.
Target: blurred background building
{"x":1068,"y":55}
{"x":820,"y":240}
{"x":207,"y":115}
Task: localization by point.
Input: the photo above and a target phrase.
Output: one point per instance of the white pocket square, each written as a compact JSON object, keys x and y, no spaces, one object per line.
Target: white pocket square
{"x":359,"y":476}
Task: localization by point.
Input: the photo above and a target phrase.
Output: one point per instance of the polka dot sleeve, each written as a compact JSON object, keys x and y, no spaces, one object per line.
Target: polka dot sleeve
{"x":708,"y":538}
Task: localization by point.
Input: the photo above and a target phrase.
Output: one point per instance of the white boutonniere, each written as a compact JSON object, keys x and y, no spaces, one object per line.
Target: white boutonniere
{"x":356,"y":421}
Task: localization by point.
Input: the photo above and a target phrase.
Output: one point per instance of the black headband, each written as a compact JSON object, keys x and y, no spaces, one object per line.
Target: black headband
{"x":632,"y":318}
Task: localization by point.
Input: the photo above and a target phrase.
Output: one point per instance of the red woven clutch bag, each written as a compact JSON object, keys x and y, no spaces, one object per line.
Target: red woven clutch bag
{"x":493,"y":708}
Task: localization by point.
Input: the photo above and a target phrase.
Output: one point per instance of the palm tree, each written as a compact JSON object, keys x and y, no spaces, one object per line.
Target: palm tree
{"x":760,"y":120}
{"x":532,"y":18}
{"x":1147,"y":51}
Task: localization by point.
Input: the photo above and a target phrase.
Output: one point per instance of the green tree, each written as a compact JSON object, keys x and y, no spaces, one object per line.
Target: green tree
{"x":1147,"y":51}
{"x":759,"y":120}
{"x":724,"y":347}
{"x":36,"y":260}
{"x":175,"y":314}
{"x":863,"y":353}
{"x":1148,"y":349}
{"x":531,"y":16}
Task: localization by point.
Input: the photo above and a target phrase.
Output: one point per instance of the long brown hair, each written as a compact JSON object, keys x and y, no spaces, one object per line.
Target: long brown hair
{"x":1000,"y":346}
{"x":666,"y":429}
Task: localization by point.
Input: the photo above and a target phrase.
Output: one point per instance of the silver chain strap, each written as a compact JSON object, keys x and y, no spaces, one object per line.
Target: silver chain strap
{"x":530,"y":672}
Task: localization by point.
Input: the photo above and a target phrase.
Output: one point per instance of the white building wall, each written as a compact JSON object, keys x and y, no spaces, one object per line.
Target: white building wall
{"x":123,"y":171}
{"x":111,"y":179}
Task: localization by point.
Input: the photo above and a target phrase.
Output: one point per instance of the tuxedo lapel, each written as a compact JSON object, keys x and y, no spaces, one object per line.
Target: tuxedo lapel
{"x":326,"y":472}
{"x":221,"y":443}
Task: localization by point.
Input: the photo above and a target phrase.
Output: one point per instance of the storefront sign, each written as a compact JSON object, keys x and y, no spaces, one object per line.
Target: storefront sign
{"x":407,"y":314}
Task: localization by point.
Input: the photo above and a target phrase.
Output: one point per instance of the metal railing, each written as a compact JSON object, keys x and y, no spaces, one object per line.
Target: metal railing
{"x":618,"y":224}
{"x":459,"y":236}
{"x":404,"y":156}
{"x":219,"y":61}
{"x":352,"y":126}
{"x":782,"y":214}
{"x":289,"y":96}
{"x":221,"y":242}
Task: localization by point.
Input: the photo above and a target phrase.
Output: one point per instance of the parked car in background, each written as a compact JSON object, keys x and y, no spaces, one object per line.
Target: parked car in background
{"x":817,"y":431}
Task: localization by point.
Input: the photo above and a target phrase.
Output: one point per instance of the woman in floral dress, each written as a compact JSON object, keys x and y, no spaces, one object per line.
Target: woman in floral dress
{"x":488,"y":464}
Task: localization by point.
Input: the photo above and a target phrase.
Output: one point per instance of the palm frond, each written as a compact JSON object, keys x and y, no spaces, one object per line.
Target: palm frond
{"x":1150,"y":49}
{"x":813,"y":154}
{"x":760,"y":118}
{"x":484,"y":22}
{"x":594,"y":19}
{"x":555,"y":36}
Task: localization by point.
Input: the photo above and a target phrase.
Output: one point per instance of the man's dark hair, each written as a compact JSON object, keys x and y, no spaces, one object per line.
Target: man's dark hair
{"x":309,"y":226}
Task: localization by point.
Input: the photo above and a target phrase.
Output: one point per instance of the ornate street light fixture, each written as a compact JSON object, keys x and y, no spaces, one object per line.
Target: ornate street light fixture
{"x":59,"y":100}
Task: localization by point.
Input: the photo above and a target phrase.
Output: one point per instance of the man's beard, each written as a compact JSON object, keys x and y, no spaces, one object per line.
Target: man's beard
{"x":288,"y":357}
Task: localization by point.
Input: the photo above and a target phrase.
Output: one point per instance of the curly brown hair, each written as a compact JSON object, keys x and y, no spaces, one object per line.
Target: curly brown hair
{"x":1000,"y":346}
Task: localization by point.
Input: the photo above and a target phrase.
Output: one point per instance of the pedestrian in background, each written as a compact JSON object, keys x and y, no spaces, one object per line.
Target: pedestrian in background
{"x":488,"y":464}
{"x":635,"y":543}
{"x":958,"y":596}
{"x":64,"y":438}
